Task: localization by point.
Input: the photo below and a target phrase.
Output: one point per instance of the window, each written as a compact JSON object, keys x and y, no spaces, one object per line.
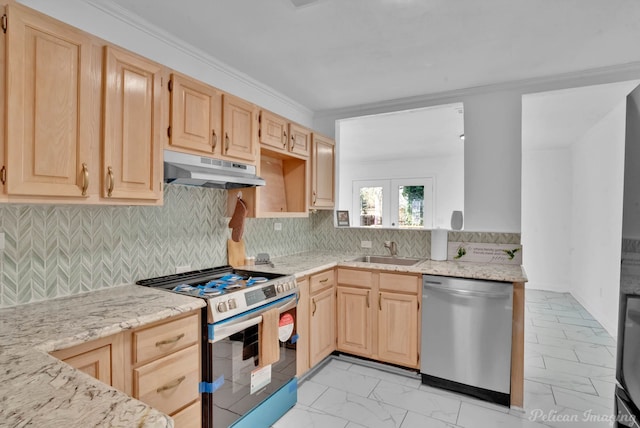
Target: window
{"x":406,"y":203}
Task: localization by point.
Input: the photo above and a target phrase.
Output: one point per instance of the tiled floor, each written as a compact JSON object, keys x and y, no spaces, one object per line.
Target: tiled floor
{"x":569,"y":382}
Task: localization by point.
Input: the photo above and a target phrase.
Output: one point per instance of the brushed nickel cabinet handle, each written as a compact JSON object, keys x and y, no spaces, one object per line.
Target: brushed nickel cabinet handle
{"x":324,"y":280}
{"x":214,"y":140}
{"x":170,"y":341}
{"x":171,"y":385}
{"x":85,"y":179}
{"x":380,"y":301}
{"x":315,"y":197}
{"x":110,"y":183}
{"x":3,"y":175}
{"x":314,"y":307}
{"x":284,"y":143}
{"x":226,"y":142}
{"x":367,"y":298}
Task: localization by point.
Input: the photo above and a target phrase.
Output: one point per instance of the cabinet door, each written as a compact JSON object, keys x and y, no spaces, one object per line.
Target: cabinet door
{"x":302,"y":328}
{"x":239,"y":124}
{"x":196,"y":117}
{"x":132,"y":158}
{"x":398,"y":328}
{"x":102,"y":359}
{"x":48,"y":103}
{"x":322,"y":172}
{"x":273,"y":130}
{"x":322,"y":325}
{"x":299,"y":140}
{"x":355,"y":329}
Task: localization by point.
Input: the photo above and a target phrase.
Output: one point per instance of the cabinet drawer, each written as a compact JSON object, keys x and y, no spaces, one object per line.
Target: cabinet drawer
{"x":189,"y":417}
{"x":321,"y":280}
{"x":400,"y":283}
{"x":164,"y":339}
{"x":169,"y":383}
{"x":359,"y":278}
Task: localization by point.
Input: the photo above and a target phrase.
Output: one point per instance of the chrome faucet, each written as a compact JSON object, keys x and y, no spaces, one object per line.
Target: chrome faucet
{"x":393,"y":248}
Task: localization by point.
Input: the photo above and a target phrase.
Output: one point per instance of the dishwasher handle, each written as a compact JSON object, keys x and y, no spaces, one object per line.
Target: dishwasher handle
{"x":439,"y":286}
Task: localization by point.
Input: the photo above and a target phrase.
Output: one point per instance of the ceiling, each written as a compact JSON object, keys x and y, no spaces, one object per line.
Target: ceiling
{"x":334,"y":54}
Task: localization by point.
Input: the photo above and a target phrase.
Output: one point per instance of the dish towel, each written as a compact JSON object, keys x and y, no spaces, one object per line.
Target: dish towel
{"x":269,"y":342}
{"x":237,"y":220}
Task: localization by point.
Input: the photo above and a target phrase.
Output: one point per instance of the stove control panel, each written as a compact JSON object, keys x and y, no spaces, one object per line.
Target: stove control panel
{"x":228,"y":305}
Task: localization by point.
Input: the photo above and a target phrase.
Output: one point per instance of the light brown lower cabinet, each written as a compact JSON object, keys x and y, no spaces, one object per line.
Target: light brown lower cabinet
{"x":159,"y":364}
{"x":320,"y":305}
{"x":378,"y":315}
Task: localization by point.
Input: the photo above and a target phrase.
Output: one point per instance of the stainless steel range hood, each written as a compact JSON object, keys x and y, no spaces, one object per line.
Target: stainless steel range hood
{"x":193,"y":170}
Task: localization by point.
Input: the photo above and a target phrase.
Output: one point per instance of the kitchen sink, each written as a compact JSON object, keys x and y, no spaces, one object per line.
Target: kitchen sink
{"x":388,"y":260}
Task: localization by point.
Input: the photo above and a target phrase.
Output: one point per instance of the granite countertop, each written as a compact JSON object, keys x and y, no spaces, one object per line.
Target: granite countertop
{"x":40,"y":390}
{"x":308,"y":263}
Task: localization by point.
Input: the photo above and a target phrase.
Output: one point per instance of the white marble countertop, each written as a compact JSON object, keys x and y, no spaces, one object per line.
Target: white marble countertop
{"x":308,"y":263}
{"x":42,"y":391}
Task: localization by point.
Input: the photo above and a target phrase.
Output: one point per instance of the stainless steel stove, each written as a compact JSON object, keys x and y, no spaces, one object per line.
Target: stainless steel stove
{"x":229,"y":291}
{"x":237,"y":390}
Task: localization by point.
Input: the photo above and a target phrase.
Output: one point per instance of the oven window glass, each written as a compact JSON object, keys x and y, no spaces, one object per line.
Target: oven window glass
{"x":235,"y":358}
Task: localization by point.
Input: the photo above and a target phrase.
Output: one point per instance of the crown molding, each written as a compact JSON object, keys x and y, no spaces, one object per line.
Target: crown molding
{"x":594,"y":76}
{"x":133,"y":20}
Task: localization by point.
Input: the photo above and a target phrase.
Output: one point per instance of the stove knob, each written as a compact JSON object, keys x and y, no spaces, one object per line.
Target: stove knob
{"x":222,"y":307}
{"x":232,"y":304}
{"x":280,"y":288}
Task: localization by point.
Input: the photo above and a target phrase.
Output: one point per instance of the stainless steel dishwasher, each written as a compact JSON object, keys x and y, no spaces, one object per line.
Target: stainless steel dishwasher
{"x":466,"y":336}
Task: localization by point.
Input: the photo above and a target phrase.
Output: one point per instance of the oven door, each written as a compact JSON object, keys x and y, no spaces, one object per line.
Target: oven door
{"x":240,"y":382}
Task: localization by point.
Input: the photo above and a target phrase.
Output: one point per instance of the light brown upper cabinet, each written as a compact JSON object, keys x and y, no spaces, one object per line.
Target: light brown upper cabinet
{"x":132,"y":157}
{"x":273,"y":131}
{"x":299,"y":140}
{"x":240,"y":128}
{"x":276,"y":133}
{"x":48,"y":106}
{"x":196,"y":117}
{"x":322,"y":172}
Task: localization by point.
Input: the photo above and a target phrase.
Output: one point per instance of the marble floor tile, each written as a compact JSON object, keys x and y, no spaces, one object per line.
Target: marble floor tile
{"x":427,"y":403}
{"x":303,"y":416}
{"x":472,"y":416}
{"x":554,"y":312}
{"x":537,"y":349}
{"x":346,"y":380}
{"x":309,"y":391}
{"x":416,"y":420}
{"x":558,"y":378}
{"x":555,"y":331}
{"x":410,"y":381}
{"x":569,"y":383}
{"x":355,"y":408}
{"x":578,"y":321}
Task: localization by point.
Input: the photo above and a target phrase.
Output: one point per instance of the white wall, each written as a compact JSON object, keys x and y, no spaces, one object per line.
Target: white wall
{"x":447,"y":171}
{"x":114,"y":24}
{"x":492,"y":160}
{"x":546,"y":218}
{"x":597,"y":188}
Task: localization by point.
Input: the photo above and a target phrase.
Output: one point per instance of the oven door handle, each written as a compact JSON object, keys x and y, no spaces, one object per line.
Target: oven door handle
{"x":224,"y":330}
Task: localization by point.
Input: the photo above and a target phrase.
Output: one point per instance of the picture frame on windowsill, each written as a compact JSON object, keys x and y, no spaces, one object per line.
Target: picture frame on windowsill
{"x":343,"y":218}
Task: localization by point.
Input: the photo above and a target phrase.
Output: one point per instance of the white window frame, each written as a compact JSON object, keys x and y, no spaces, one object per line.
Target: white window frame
{"x":390,"y":199}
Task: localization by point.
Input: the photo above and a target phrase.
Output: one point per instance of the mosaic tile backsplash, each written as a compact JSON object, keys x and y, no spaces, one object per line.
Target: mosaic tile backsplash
{"x":60,"y":250}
